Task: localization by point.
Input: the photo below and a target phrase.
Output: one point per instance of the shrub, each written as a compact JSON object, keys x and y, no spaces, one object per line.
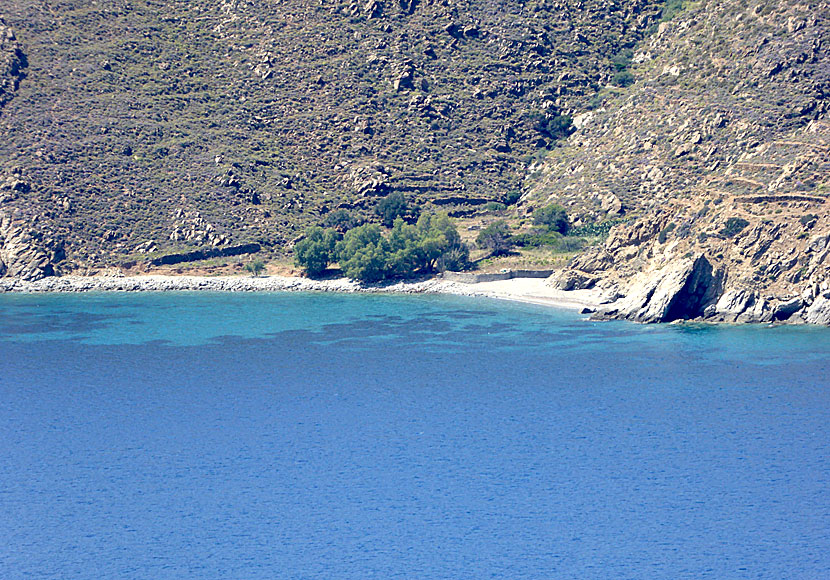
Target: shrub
{"x":494,"y":206}
{"x":664,"y":233}
{"x":442,"y":243}
{"x":733,"y":227}
{"x":316,"y":250}
{"x":671,"y":9}
{"x":341,"y":220}
{"x":496,"y":238}
{"x":255,"y":268}
{"x":601,"y":229}
{"x":806,"y":219}
{"x":622,"y":59}
{"x":560,"y":126}
{"x":622,"y":79}
{"x":556,"y":127}
{"x":391,"y":207}
{"x":537,"y":239}
{"x":553,"y":217}
{"x":570,"y":244}
{"x":511,"y":197}
{"x":433,"y":243}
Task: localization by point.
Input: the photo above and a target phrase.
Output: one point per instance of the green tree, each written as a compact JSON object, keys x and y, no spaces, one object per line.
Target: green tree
{"x":623,"y":79}
{"x":406,"y":254}
{"x":441,"y":244}
{"x":391,"y":207}
{"x":341,"y":220}
{"x":496,"y":238}
{"x":553,"y":217}
{"x":255,"y":268}
{"x":314,"y":252}
{"x":363,"y":254}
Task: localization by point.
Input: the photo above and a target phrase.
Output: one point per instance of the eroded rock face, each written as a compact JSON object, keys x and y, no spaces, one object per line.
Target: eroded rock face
{"x":819,"y":311}
{"x":737,"y":175}
{"x":20,"y":255}
{"x":681,"y":290}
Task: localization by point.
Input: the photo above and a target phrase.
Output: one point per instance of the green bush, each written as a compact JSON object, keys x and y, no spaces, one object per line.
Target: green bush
{"x":622,"y":79}
{"x":391,"y":207}
{"x":494,"y":206}
{"x":537,"y":239}
{"x":255,"y":268}
{"x":671,"y":9}
{"x":433,"y":243}
{"x":807,"y":218}
{"x":622,"y":59}
{"x":511,"y":197}
{"x":661,"y":237}
{"x":314,"y":252}
{"x":496,"y":238}
{"x":363,"y":253}
{"x":556,"y":127}
{"x":553,"y":217}
{"x":341,"y":220}
{"x":570,"y":244}
{"x":733,"y":227}
{"x":599,"y":230}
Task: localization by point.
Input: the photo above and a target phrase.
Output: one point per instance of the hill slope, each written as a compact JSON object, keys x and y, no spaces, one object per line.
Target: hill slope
{"x":167,"y":125}
{"x":719,"y":158}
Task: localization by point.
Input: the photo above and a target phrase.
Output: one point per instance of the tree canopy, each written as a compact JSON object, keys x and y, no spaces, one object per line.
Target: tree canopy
{"x":496,"y":238}
{"x":365,"y":254}
{"x":553,"y":217}
{"x":392,"y":207}
{"x":314,"y":252}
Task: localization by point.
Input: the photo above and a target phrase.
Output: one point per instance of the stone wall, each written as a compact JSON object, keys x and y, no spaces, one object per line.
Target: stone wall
{"x":475,"y":278}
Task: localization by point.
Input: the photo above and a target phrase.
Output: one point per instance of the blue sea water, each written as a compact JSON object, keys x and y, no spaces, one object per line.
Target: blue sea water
{"x":358,"y":437}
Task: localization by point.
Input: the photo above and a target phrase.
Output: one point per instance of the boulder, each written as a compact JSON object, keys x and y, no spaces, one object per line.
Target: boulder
{"x":761,"y":311}
{"x":817,"y":243}
{"x":571,"y":280}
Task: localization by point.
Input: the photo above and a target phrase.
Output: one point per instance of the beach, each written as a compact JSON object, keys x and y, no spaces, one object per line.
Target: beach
{"x":531,"y":290}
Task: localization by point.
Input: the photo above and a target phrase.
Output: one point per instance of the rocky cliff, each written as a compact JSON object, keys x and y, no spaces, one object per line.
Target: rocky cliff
{"x":24,"y":253}
{"x":718,"y":158}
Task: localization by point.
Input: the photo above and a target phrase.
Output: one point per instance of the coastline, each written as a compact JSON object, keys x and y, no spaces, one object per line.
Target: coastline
{"x":528,"y":290}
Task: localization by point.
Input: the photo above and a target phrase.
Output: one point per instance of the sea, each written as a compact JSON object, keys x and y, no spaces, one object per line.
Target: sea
{"x":338,"y":436}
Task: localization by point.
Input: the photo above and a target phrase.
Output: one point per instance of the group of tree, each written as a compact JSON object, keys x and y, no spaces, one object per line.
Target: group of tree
{"x":364,"y":253}
{"x":551,"y":224}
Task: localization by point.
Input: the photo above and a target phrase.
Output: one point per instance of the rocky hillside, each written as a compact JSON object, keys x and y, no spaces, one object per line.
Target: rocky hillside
{"x":153,"y":126}
{"x":718,"y":158}
{"x":12,"y":63}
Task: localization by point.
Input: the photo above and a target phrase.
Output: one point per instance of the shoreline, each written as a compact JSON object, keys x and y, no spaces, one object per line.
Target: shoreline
{"x":527,"y":290}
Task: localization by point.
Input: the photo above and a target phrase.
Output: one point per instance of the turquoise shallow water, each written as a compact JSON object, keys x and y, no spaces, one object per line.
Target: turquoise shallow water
{"x":355,"y":436}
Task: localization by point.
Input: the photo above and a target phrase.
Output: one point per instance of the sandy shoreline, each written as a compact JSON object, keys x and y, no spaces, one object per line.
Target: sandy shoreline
{"x":531,"y":290}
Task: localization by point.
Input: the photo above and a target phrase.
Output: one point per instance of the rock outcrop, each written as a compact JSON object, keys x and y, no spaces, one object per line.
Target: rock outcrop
{"x":21,"y":256}
{"x":819,"y":311}
{"x":681,"y":290}
{"x":12,"y":63}
{"x":718,"y":151}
